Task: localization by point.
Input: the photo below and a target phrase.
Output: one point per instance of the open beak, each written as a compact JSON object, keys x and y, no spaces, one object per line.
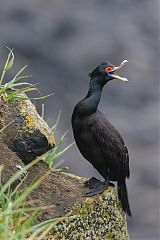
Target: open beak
{"x":113,"y":75}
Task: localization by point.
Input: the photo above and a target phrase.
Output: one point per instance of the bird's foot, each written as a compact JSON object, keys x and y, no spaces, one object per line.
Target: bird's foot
{"x":91,"y":182}
{"x":98,"y":188}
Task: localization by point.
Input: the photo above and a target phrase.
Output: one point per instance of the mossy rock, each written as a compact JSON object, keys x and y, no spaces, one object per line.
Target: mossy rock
{"x":28,"y":135}
{"x":99,"y":217}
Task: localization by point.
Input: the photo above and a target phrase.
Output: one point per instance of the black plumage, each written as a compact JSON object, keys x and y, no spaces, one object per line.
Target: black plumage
{"x":98,"y":141}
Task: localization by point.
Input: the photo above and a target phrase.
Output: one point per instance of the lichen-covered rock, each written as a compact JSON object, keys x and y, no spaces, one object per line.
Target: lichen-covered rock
{"x":99,"y":217}
{"x":29,"y":135}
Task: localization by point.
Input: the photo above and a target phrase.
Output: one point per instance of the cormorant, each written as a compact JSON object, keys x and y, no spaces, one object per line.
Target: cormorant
{"x":98,"y":141}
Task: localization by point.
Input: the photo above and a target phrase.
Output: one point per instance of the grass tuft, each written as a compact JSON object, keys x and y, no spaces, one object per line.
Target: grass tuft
{"x":52,"y":155}
{"x":14,"y":90}
{"x":17,"y":218}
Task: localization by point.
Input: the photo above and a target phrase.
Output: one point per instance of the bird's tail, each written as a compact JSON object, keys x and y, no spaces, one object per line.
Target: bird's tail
{"x":123,"y":197}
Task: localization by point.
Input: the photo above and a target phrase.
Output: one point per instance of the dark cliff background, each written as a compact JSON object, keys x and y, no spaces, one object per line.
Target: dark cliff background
{"x":61,"y":41}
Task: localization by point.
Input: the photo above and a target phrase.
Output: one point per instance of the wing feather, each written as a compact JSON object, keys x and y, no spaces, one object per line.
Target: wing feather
{"x":112,"y":146}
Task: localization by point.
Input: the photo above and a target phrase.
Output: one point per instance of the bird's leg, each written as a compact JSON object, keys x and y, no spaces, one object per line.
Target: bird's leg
{"x":98,"y":188}
{"x":90,"y":183}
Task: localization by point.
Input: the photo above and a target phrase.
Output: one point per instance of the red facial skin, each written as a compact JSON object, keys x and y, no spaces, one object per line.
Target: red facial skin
{"x":109,"y":69}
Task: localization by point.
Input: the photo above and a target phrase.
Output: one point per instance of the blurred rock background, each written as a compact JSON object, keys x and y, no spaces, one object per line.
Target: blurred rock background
{"x":61,"y":41}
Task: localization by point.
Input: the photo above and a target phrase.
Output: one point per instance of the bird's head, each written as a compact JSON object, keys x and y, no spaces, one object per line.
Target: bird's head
{"x":106,"y":71}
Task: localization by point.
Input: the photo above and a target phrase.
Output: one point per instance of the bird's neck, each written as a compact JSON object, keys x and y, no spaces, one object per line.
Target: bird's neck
{"x":90,"y":103}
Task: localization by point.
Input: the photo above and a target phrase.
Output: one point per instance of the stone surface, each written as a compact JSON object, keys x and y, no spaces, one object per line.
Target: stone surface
{"x":28,"y":135}
{"x":94,"y":218}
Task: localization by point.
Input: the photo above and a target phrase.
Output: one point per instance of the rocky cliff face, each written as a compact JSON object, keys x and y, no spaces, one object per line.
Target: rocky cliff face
{"x":62,"y":41}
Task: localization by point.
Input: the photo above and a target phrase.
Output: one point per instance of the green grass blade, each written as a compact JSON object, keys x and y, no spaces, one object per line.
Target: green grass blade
{"x":59,"y":154}
{"x":11,"y":83}
{"x":2,"y":129}
{"x":42,"y":113}
{"x":27,"y":98}
{"x":8,"y":64}
{"x":54,"y":127}
{"x":16,"y":77}
{"x":17,"y":175}
{"x":29,"y":190}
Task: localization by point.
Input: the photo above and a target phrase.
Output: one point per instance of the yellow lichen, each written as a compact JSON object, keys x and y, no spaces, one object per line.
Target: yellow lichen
{"x":33,"y":121}
{"x":52,"y":139}
{"x":29,"y":121}
{"x":95,"y":218}
{"x":80,"y":179}
{"x":31,"y":131}
{"x":86,"y":207}
{"x":20,"y":130}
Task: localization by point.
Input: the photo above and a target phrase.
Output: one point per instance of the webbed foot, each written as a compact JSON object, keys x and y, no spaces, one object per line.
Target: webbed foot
{"x":90,"y":183}
{"x":98,"y":188}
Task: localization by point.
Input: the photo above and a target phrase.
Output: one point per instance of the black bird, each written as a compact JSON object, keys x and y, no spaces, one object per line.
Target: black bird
{"x":98,"y":141}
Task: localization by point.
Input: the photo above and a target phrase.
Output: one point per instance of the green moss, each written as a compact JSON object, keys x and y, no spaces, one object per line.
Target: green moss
{"x":31,"y":131}
{"x":99,"y":217}
{"x":52,"y":140}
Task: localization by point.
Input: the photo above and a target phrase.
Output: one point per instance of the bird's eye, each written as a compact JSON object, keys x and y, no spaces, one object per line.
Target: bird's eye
{"x":109,"y":69}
